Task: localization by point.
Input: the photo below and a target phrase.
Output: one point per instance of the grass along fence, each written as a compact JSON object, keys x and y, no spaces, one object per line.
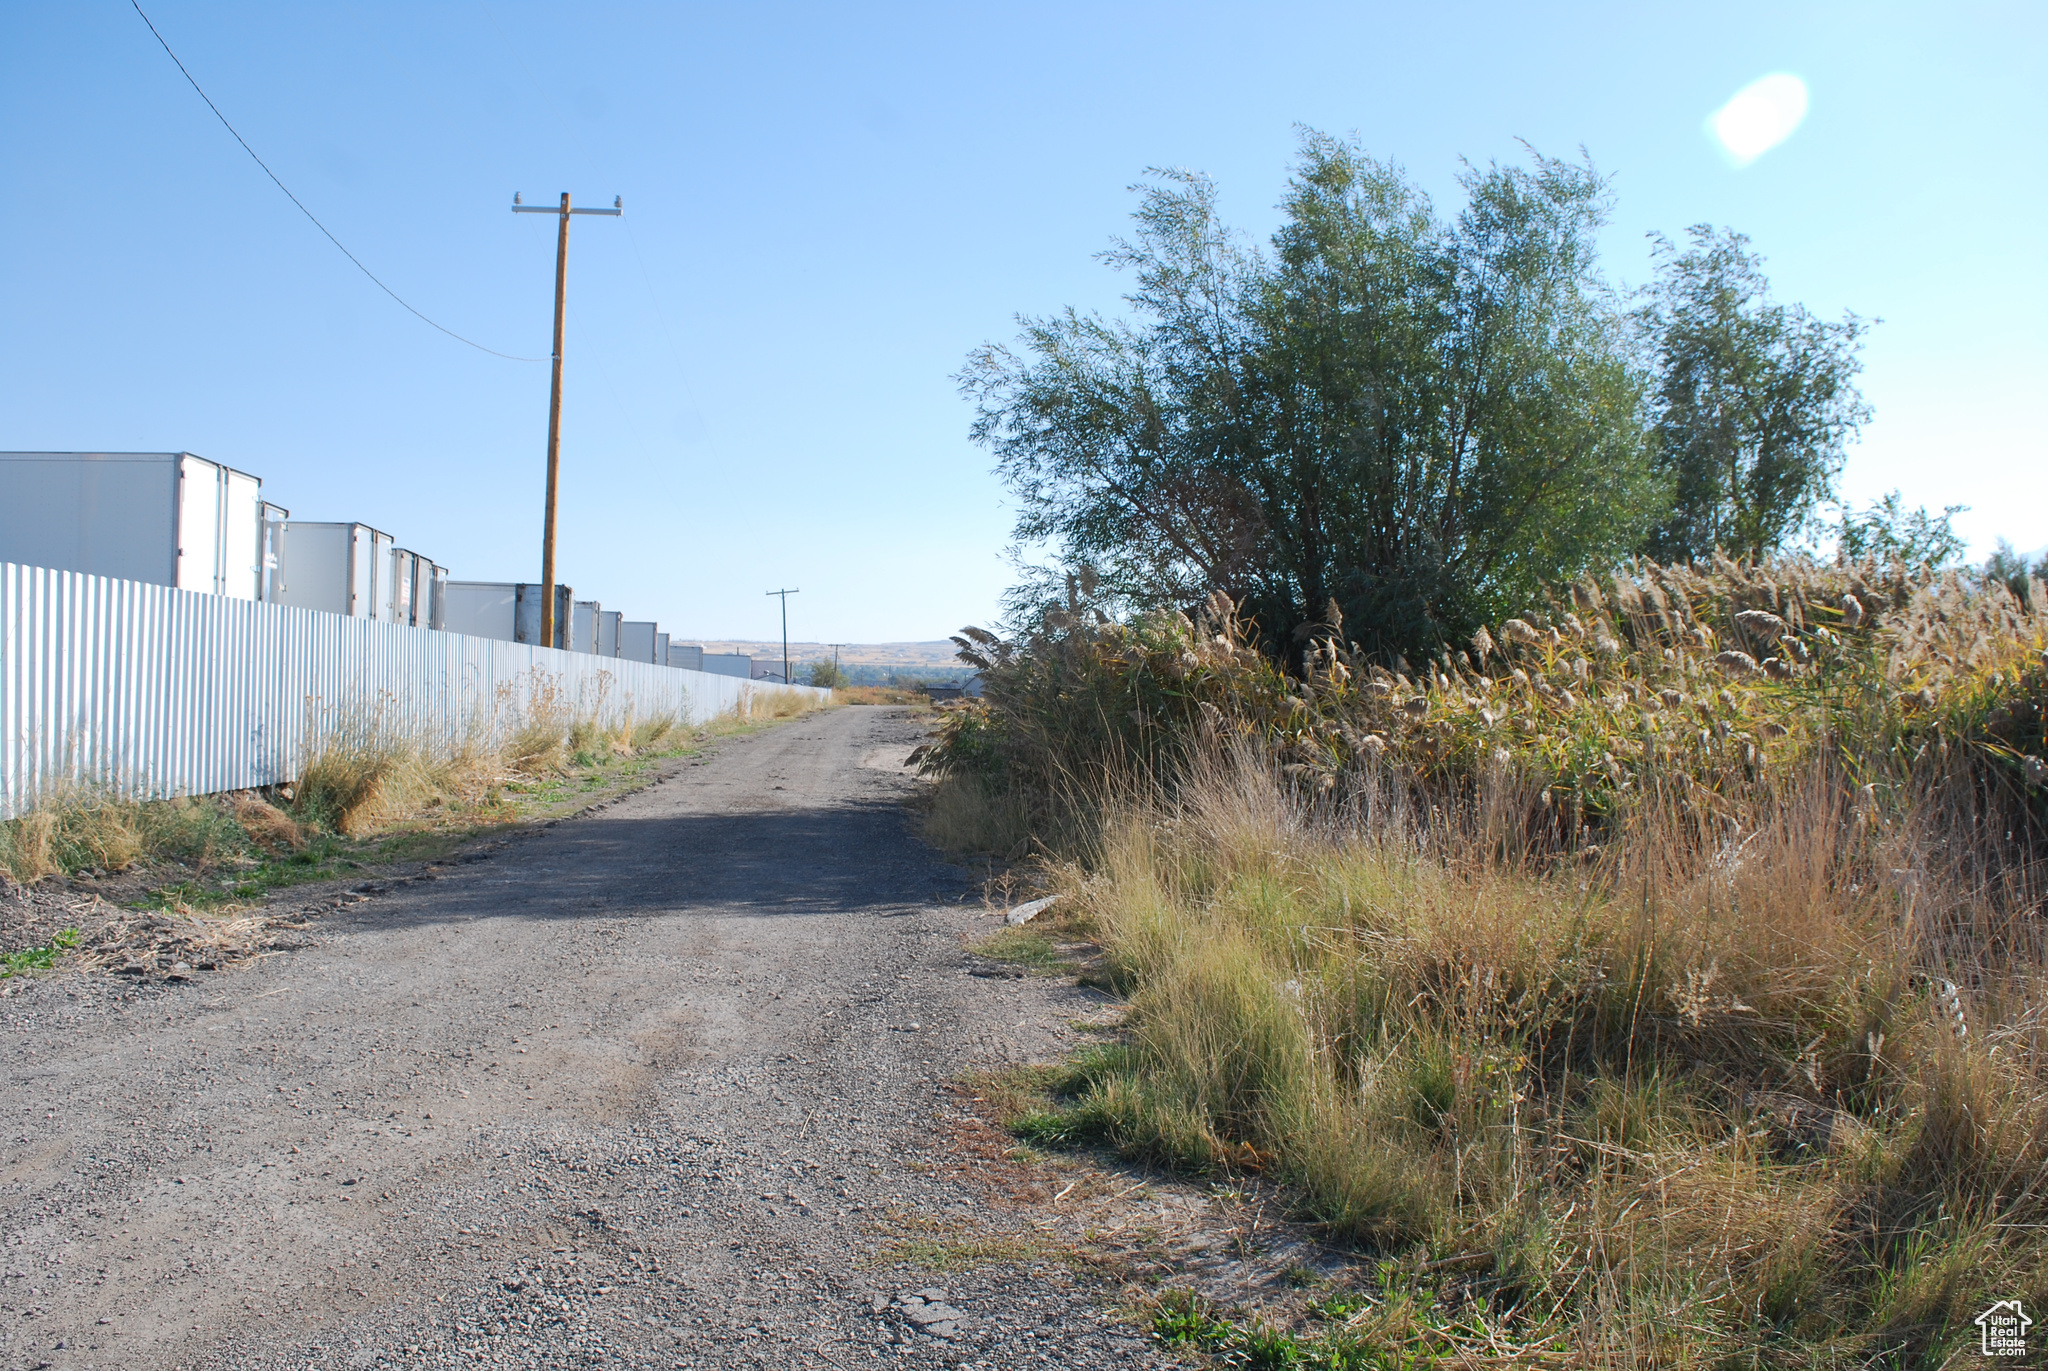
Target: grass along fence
{"x":369,"y":781}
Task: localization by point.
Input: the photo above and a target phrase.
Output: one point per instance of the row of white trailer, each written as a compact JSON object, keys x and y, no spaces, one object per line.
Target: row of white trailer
{"x":174,"y":519}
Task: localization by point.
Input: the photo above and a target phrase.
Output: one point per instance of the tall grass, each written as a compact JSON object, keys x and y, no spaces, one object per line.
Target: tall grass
{"x":1655,"y":1006}
{"x":1719,"y":675}
{"x":85,"y":831}
{"x":1779,"y":1102}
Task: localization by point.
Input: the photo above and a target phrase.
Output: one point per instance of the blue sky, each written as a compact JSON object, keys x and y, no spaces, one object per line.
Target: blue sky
{"x":827,"y":206}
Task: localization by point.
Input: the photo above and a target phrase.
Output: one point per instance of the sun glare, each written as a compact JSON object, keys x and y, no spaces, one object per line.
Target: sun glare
{"x":1759,"y":117}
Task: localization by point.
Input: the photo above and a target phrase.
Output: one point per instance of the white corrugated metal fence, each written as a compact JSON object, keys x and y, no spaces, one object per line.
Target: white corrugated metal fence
{"x":149,"y":691}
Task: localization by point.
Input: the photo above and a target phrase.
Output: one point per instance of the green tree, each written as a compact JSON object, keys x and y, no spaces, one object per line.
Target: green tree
{"x":1416,"y":420}
{"x":1755,"y":401}
{"x":1888,"y":532}
{"x":826,"y":674}
{"x":2009,"y":566}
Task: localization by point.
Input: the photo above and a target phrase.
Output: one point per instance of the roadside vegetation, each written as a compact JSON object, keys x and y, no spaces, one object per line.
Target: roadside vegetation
{"x":1603,"y":887}
{"x":368,"y":795}
{"x":880,"y":695}
{"x":1657,"y":979}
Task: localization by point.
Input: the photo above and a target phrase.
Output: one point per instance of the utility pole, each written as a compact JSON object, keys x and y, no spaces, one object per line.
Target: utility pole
{"x":785,"y":594}
{"x":547,"y":536}
{"x":835,"y":658}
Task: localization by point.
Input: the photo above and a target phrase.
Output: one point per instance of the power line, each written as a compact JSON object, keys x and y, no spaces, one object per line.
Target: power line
{"x":308,"y":213}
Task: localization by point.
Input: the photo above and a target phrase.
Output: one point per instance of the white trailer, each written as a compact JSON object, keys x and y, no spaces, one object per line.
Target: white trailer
{"x":409,"y":596}
{"x":686,"y":656}
{"x":526,"y":623}
{"x":506,"y":610}
{"x":608,"y":632}
{"x":270,"y":545}
{"x":342,"y":568}
{"x":637,"y":639}
{"x":437,"y":598}
{"x":481,"y":609}
{"x":396,"y":593}
{"x":729,"y":664}
{"x":583,"y":622}
{"x":167,"y":518}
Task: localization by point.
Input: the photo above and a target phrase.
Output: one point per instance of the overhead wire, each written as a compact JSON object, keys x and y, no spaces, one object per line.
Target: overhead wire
{"x":310,"y":216}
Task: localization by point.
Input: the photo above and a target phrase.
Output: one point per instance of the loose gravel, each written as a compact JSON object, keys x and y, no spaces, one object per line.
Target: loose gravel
{"x":668,"y":1085}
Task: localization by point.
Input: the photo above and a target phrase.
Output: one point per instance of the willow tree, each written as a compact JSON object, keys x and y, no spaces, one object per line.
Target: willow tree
{"x":1756,"y":401}
{"x":1414,"y":419}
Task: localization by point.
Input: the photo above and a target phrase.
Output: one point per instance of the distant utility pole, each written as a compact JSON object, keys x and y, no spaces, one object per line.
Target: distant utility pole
{"x":785,"y":594}
{"x":835,"y":658}
{"x":547,"y":537}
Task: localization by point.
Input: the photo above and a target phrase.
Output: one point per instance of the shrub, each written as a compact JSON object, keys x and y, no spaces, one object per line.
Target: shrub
{"x":1671,"y":685}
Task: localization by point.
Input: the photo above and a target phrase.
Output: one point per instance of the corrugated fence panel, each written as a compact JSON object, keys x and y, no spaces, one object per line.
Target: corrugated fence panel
{"x":152,"y":692}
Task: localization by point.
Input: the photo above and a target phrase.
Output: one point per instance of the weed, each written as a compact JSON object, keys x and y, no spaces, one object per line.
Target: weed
{"x":38,"y":958}
{"x":1182,"y":1318}
{"x":1024,"y":948}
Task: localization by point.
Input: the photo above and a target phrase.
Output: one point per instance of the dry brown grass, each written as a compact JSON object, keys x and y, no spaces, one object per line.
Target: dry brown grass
{"x":880,"y":695}
{"x":769,"y":706}
{"x":78,"y":829}
{"x":1669,"y":964}
{"x":969,"y":814}
{"x":364,"y":774}
{"x":1776,"y":1100}
{"x":269,"y":827}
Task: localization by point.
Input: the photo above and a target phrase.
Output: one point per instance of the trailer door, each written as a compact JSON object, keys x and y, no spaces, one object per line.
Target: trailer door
{"x":199,"y":503}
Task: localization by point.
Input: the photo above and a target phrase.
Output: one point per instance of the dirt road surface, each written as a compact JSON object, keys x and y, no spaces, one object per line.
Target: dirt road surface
{"x":663,"y":1085}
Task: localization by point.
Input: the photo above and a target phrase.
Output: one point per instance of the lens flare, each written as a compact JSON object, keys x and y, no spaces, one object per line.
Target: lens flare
{"x":1760,"y":116}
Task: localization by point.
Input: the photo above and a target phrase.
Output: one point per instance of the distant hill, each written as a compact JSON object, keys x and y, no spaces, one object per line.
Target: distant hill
{"x":932,"y":657}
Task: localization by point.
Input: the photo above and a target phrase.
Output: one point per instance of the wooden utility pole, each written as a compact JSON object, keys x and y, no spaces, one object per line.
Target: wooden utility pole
{"x":547,"y":536}
{"x":785,"y":594}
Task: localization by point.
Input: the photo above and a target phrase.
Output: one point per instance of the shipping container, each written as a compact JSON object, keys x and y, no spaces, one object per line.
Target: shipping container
{"x":637,"y":638}
{"x":336,"y":567}
{"x":661,"y":649}
{"x":166,"y":518}
{"x":729,"y":664}
{"x":526,"y":624}
{"x":608,"y":632}
{"x":583,"y":626}
{"x":686,"y":657}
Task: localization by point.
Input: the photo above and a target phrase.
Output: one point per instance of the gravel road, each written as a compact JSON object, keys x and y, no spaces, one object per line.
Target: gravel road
{"x":662,"y":1085}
